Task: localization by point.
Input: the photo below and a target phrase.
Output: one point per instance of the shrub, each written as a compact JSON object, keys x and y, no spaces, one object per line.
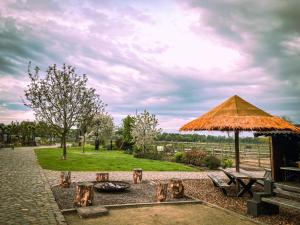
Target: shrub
{"x":110,"y":146}
{"x":119,"y":143}
{"x":226,"y":162}
{"x":179,"y":156}
{"x":211,"y":162}
{"x":129,"y":151}
{"x":139,"y":153}
{"x":194,"y":157}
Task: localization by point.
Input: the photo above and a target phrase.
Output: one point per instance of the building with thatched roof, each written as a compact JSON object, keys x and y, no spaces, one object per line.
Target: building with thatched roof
{"x":285,"y":152}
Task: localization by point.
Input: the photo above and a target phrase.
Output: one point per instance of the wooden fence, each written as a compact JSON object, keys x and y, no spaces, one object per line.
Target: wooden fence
{"x":251,"y":155}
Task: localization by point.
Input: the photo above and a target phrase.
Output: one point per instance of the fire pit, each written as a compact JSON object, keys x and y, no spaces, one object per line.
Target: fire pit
{"x":112,"y":186}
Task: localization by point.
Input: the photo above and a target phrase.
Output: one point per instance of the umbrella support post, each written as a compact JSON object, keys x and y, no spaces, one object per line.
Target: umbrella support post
{"x":237,"y":151}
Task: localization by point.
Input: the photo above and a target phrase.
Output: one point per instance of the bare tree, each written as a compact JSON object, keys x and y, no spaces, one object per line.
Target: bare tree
{"x":61,"y":99}
{"x":145,"y":129}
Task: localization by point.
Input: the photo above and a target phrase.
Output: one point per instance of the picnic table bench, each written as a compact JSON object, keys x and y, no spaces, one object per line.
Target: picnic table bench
{"x":274,"y":196}
{"x":239,"y":179}
{"x":219,"y":183}
{"x":283,"y":202}
{"x":267,"y":176}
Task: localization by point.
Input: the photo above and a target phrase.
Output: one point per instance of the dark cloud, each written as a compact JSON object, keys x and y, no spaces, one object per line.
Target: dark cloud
{"x":269,"y":24}
{"x":105,"y":40}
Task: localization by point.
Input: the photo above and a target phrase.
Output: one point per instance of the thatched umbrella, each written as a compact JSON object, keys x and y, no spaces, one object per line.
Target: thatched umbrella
{"x":236,"y":114}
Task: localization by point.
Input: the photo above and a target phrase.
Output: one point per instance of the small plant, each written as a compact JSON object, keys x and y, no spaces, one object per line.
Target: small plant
{"x":137,"y":152}
{"x":226,"y":163}
{"x":179,"y":156}
{"x":211,"y":162}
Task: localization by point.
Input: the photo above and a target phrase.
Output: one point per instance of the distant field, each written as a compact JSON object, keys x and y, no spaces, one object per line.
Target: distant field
{"x":103,"y":160}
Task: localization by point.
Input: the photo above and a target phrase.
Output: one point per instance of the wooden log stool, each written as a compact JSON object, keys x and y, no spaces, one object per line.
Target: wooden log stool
{"x":176,"y":188}
{"x":84,"y":194}
{"x":137,"y":175}
{"x":161,"y":191}
{"x":102,"y":177}
{"x":65,"y":179}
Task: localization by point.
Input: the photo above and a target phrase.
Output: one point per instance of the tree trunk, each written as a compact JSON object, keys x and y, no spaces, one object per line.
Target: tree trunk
{"x":83,"y":143}
{"x":97,"y":143}
{"x":177,"y":188}
{"x":102,"y":177}
{"x":61,"y":142}
{"x":110,"y":144}
{"x":161,"y":191}
{"x":64,"y":147}
{"x":79,"y":139}
{"x":137,"y":175}
{"x":65,"y":179}
{"x":84,"y":194}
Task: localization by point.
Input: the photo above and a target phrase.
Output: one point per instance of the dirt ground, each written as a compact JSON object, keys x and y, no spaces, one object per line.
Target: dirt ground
{"x":190,"y":214}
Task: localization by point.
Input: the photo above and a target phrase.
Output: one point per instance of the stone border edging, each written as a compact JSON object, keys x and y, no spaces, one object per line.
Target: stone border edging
{"x":136,"y":205}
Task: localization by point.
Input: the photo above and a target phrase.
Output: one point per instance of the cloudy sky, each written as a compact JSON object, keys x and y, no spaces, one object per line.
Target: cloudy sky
{"x":177,"y":59}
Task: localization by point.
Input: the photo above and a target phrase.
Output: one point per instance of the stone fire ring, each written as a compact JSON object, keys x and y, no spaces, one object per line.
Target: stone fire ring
{"x":111,"y":186}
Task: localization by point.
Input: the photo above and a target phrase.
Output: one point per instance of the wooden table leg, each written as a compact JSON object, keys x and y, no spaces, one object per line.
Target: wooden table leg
{"x":246,"y":187}
{"x":231,"y":179}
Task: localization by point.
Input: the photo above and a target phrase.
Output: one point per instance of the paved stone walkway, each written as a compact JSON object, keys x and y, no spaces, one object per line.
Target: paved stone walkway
{"x":25,"y":195}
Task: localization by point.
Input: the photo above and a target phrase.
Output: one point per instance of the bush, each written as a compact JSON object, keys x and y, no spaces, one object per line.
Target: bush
{"x":179,"y":156}
{"x":211,"y":162}
{"x":139,"y":153}
{"x":194,"y":157}
{"x":119,"y":143}
{"x":226,"y":163}
{"x":110,"y":147}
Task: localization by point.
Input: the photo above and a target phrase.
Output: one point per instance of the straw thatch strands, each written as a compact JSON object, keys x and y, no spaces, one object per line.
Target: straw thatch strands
{"x":238,"y":114}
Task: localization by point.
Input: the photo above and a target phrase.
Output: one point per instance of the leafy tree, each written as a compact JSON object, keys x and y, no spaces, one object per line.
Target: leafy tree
{"x":27,"y":132}
{"x":145,"y":130}
{"x":60,"y":98}
{"x":128,"y":123}
{"x":102,"y":129}
{"x":87,"y":118}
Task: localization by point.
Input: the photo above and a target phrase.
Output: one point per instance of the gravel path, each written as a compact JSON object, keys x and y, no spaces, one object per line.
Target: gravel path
{"x":137,"y":193}
{"x":53,"y":176}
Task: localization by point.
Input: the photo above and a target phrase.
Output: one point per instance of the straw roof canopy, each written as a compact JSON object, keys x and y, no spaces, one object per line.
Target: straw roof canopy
{"x":236,"y":114}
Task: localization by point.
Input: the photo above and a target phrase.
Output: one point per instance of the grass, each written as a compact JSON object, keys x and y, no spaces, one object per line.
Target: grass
{"x":91,"y":160}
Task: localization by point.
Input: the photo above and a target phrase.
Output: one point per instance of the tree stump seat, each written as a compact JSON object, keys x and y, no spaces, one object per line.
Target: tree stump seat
{"x":65,"y":179}
{"x":176,"y":188}
{"x":137,"y":175}
{"x":84,"y":194}
{"x":100,"y":177}
{"x":161,"y":191}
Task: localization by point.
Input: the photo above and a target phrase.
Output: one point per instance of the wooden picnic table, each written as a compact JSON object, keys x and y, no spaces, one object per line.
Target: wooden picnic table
{"x":239,"y":179}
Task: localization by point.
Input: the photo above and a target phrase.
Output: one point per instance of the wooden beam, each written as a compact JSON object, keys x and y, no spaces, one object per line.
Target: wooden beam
{"x":237,"y":151}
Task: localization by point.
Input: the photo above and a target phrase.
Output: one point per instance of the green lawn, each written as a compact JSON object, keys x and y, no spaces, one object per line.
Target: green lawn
{"x":91,"y":160}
